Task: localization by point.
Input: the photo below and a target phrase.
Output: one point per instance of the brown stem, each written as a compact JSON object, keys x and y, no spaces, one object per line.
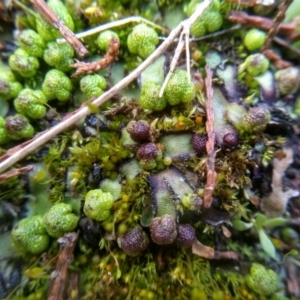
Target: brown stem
{"x":278,"y":20}
{"x":67,"y":244}
{"x":211,"y":178}
{"x":47,"y":13}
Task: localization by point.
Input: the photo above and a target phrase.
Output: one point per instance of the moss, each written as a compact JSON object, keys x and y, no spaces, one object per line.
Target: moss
{"x":140,"y":157}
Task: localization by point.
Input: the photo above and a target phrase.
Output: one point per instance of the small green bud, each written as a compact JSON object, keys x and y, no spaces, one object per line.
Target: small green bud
{"x":256,"y":64}
{"x":31,"y":103}
{"x":47,"y":31}
{"x":288,"y":80}
{"x":142,"y":40}
{"x":210,"y":21}
{"x":60,"y":220}
{"x":104,"y":38}
{"x":4,"y":138}
{"x":150,"y":99}
{"x":92,"y":85}
{"x":179,"y":88}
{"x":24,"y":64}
{"x":57,"y":86}
{"x":198,"y":28}
{"x":97,"y":204}
{"x":289,"y":236}
{"x":30,"y":236}
{"x":256,"y":119}
{"x":254,"y":39}
{"x":18,"y":127}
{"x":9,"y":87}
{"x":59,"y":56}
{"x":31,"y":42}
{"x":262,"y":280}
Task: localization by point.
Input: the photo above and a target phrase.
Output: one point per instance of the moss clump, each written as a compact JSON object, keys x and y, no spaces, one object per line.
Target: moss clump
{"x":142,"y":40}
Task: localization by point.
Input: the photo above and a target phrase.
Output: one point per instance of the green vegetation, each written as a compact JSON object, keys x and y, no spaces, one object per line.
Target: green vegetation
{"x":130,"y":179}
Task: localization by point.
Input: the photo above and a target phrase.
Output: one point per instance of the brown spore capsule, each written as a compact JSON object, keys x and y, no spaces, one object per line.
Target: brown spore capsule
{"x":230,"y":140}
{"x":163,"y":230}
{"x":186,"y":235}
{"x":147,"y":151}
{"x":199,"y":142}
{"x":138,"y":130}
{"x":134,"y":241}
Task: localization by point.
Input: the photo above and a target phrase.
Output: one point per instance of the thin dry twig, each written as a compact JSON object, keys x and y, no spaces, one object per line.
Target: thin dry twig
{"x":14,"y":173}
{"x":211,"y":179}
{"x":210,"y":253}
{"x":278,"y":20}
{"x":67,"y":244}
{"x":83,"y":111}
{"x":46,"y":12}
{"x":184,"y":41}
{"x":111,"y":55}
{"x":284,"y":29}
{"x":286,"y":44}
{"x":114,"y":24}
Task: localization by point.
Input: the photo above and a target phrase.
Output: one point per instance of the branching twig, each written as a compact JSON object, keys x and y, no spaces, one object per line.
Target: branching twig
{"x":59,"y":275}
{"x":42,"y":7}
{"x":111,"y":55}
{"x":83,"y":111}
{"x":278,"y":20}
{"x":211,"y":176}
{"x":185,"y":34}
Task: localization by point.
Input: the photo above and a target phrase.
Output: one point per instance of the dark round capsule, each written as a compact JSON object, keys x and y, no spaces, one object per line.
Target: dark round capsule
{"x":163,"y":230}
{"x":139,"y":131}
{"x":186,"y":235}
{"x":147,"y":151}
{"x":230,"y":140}
{"x":134,"y":241}
{"x":199,"y":142}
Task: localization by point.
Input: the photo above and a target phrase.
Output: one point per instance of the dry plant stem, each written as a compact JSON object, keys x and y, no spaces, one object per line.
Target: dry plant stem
{"x":133,"y":19}
{"x":46,"y":12}
{"x":173,"y":64}
{"x":67,"y":244}
{"x":278,"y":20}
{"x":185,"y":33}
{"x":14,"y":173}
{"x":83,"y":111}
{"x":285,"y":29}
{"x":286,"y":44}
{"x":211,"y":176}
{"x":276,"y":59}
{"x":111,"y":55}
